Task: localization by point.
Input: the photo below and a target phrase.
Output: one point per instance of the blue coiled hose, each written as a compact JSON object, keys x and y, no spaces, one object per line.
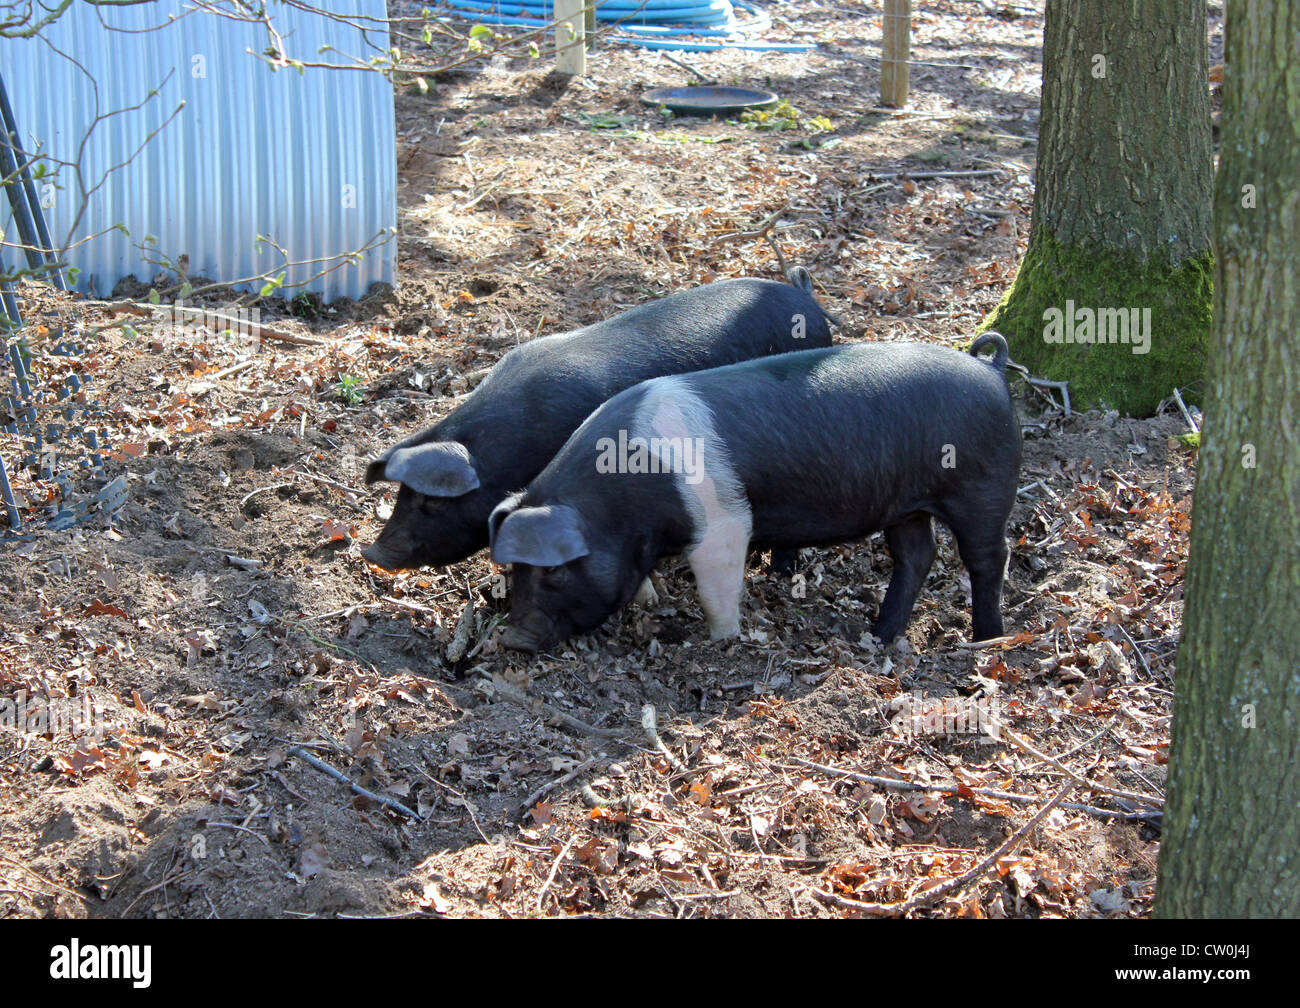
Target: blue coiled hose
{"x":653,"y":24}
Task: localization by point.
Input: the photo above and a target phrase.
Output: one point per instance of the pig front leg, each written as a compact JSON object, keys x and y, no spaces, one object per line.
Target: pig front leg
{"x":911,"y":545}
{"x":718,"y":563}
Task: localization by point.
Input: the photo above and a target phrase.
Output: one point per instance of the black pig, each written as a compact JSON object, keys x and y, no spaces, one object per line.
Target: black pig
{"x":453,"y":474}
{"x":804,"y":449}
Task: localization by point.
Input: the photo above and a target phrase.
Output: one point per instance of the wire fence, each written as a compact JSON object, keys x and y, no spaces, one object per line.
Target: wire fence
{"x":47,"y":415}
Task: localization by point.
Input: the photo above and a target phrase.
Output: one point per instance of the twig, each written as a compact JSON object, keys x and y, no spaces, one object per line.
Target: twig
{"x":1063,"y":386}
{"x":329,"y":771}
{"x":974,"y":173}
{"x":760,"y":232}
{"x":992,"y":642}
{"x":243,"y":563}
{"x":175,"y":876}
{"x":234,"y":369}
{"x":871,"y":189}
{"x":49,"y":882}
{"x":1136,"y":650}
{"x":687,"y":67}
{"x":529,"y":704}
{"x":342,"y":488}
{"x":249,"y":496}
{"x":1004,"y":732}
{"x":546,"y":789}
{"x":247,"y":326}
{"x":413,"y":607}
{"x":541,"y":895}
{"x":1182,"y":408}
{"x":780,"y":259}
{"x":894,"y":784}
{"x":931,"y":896}
{"x":652,"y":733}
{"x":245,"y":829}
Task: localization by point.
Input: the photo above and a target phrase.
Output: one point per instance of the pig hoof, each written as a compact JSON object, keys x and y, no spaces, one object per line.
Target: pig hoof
{"x":724,"y":631}
{"x":885,"y":637}
{"x":646,"y":596}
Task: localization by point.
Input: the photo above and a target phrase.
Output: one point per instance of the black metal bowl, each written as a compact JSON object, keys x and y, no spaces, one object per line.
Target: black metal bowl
{"x":709,"y":100}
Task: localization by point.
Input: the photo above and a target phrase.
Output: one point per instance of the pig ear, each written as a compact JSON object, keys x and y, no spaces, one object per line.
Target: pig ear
{"x":540,"y":536}
{"x":435,"y":469}
{"x":500,"y":513}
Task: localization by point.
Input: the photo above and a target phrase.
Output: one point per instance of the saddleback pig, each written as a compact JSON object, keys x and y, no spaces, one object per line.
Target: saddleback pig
{"x":453,"y":474}
{"x":802,"y":449}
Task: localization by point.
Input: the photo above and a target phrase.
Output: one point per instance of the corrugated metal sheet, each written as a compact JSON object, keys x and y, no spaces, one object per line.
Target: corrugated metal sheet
{"x":306,"y":159}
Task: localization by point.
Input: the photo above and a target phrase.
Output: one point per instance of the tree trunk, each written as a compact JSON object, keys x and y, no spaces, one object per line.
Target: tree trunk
{"x":1121,"y":206}
{"x":1232,"y":827}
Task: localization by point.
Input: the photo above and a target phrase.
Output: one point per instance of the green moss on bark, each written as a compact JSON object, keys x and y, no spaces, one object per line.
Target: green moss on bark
{"x":1109,"y":375}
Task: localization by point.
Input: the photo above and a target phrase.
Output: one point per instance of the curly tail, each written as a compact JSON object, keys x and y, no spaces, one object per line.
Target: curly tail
{"x":1000,"y":353}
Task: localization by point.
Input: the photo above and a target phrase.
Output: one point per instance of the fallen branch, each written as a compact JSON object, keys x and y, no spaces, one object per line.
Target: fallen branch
{"x":459,"y":642}
{"x":593,"y":800}
{"x":568,"y":720}
{"x":412,"y":606}
{"x":1182,"y":408}
{"x":931,"y":896}
{"x":1037,"y":383}
{"x":894,"y":784}
{"x":1004,"y":732}
{"x":972,"y":173}
{"x":329,"y":771}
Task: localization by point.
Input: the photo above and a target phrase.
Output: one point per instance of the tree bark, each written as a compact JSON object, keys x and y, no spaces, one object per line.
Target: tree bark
{"x":1122,"y":200}
{"x":1232,"y":826}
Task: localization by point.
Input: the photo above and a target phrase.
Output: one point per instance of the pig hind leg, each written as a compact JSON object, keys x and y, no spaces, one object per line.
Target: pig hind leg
{"x":982,"y":545}
{"x":911,"y":544}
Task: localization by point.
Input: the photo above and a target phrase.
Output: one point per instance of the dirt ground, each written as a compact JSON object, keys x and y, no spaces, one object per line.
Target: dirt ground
{"x":225,"y":617}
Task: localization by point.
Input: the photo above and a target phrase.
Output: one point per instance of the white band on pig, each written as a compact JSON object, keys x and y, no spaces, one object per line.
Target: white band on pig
{"x":711,"y":493}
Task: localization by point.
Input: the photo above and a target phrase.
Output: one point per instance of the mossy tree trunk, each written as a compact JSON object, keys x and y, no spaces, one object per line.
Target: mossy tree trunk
{"x":1114,"y":294}
{"x":1232,"y":826}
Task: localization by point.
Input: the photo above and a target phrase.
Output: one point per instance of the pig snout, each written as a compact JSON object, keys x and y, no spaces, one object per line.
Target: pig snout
{"x":518,"y":639}
{"x":530,"y":631}
{"x":531,"y":627}
{"x":396,"y":548}
{"x":386,"y":553}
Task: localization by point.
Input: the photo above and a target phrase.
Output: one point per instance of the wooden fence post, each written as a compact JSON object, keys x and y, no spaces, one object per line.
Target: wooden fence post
{"x":570,"y":47}
{"x":896,"y":49}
